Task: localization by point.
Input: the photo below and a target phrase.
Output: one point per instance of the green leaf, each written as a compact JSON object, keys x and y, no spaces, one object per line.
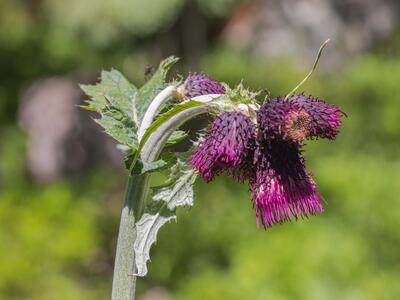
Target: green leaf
{"x":113,"y":89}
{"x":118,"y":125}
{"x":176,"y":137}
{"x":241,"y":94}
{"x":112,"y":99}
{"x":144,"y":167}
{"x":152,"y":87}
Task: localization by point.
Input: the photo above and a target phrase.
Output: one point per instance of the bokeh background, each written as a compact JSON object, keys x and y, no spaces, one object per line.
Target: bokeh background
{"x":62,"y":180}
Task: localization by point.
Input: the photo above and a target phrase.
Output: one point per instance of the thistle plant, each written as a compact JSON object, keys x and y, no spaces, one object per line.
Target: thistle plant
{"x":259,"y":143}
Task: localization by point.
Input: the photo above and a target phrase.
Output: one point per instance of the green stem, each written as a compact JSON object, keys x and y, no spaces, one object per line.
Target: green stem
{"x":124,"y":283}
{"x":312,"y":70}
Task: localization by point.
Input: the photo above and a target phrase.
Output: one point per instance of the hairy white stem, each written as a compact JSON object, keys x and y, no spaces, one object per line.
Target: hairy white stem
{"x":156,"y":141}
{"x":154,"y":108}
{"x":124,"y":283}
{"x":205,"y":98}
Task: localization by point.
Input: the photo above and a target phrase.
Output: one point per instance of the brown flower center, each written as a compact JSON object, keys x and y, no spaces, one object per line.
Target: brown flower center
{"x":297,"y":126}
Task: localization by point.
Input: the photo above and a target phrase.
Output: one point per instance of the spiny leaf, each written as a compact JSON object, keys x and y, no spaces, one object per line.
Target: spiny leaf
{"x":241,"y":94}
{"x":112,"y":99}
{"x":114,"y":89}
{"x":147,"y":229}
{"x":152,"y":87}
{"x":179,"y":192}
{"x":118,"y":125}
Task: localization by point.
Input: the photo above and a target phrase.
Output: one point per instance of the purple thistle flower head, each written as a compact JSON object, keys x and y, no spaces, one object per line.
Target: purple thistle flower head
{"x":200,"y":84}
{"x":279,"y":119}
{"x":282,"y":189}
{"x":226,"y":146}
{"x":325,"y":118}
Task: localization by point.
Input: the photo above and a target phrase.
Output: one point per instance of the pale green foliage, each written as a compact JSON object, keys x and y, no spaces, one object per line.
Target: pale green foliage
{"x":147,"y":230}
{"x":176,"y":192}
{"x":121,"y":106}
{"x":114,"y":89}
{"x":112,"y":99}
{"x":118,"y":125}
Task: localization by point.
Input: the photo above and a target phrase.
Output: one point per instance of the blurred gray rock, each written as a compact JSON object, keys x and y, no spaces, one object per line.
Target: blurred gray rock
{"x":298,"y":28}
{"x":62,"y":139}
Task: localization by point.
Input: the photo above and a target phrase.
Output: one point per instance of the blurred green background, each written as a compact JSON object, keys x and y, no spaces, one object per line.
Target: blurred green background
{"x":58,"y":223}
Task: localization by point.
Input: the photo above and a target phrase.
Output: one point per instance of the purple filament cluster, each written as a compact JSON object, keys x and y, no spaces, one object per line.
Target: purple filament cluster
{"x":269,"y":154}
{"x":200,"y":84}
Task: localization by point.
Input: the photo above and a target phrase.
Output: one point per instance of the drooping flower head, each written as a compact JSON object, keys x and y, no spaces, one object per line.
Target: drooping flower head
{"x":200,"y":84}
{"x":226,"y":146}
{"x":325,"y":118}
{"x":270,"y":157}
{"x":282,"y":190}
{"x":280,"y":119}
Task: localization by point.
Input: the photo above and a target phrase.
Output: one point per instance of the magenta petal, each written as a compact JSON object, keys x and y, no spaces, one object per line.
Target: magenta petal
{"x":282,"y":190}
{"x":226,"y":145}
{"x":325,"y":117}
{"x":280,"y":119}
{"x":200,"y":84}
{"x":298,"y":119}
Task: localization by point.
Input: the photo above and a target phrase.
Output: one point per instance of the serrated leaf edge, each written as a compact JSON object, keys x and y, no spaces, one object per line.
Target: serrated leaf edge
{"x":181,"y":182}
{"x":142,"y":246}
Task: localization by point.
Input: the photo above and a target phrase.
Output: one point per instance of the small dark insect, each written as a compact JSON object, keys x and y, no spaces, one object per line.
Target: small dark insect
{"x":266,"y":91}
{"x":148,"y":70}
